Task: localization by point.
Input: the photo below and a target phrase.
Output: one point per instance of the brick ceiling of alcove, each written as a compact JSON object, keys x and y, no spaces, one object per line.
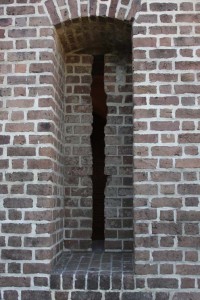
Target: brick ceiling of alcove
{"x":96,"y":36}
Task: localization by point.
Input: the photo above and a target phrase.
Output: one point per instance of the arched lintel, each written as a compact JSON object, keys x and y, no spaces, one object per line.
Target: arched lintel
{"x":96,"y":35}
{"x":73,"y":9}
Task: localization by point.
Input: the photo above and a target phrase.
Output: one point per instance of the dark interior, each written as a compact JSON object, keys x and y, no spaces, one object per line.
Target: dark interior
{"x":98,"y":150}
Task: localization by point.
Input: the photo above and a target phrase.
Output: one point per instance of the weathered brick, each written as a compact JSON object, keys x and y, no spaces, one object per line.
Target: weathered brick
{"x":16,"y":228}
{"x":136,"y":296}
{"x":167,"y":283}
{"x":78,"y":295}
{"x":16,"y":254}
{"x":19,"y":176}
{"x":192,"y":189}
{"x":4,"y":139}
{"x":163,"y":6}
{"x":8,"y":281}
{"x":39,"y":189}
{"x":160,"y":60}
{"x":167,"y":255}
{"x":35,"y":295}
{"x":166,"y":151}
{"x":36,"y":268}
{"x":16,"y":127}
{"x":20,"y":10}
{"x":165,"y":125}
{"x":10,"y":295}
{"x":164,"y":227}
{"x":37,"y":242}
{"x":21,"y":151}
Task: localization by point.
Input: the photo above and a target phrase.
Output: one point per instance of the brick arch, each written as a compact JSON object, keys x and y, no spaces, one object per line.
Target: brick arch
{"x":61,"y":11}
{"x":96,"y":35}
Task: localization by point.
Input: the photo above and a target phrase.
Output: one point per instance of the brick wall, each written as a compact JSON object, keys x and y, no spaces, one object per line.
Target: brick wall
{"x":166,"y":150}
{"x":119,"y":153}
{"x":78,"y":153}
{"x":34,"y":143}
{"x":31,"y":148}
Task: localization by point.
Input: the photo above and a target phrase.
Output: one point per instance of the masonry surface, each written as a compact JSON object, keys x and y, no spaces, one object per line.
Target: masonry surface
{"x":151,"y":55}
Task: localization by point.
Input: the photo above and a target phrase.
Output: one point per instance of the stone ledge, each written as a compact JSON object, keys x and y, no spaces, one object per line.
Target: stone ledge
{"x":93,"y":271}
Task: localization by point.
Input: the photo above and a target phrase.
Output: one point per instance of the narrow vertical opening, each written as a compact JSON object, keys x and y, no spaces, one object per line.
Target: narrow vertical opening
{"x":98,"y":151}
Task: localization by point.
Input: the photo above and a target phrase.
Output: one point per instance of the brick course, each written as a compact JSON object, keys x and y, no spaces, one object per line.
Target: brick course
{"x":46,"y":115}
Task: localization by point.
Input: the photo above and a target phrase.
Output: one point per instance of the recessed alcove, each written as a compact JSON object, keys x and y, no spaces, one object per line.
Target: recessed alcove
{"x":98,"y":165}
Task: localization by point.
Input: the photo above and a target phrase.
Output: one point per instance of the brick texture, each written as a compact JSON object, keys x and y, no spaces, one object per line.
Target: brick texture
{"x":152,"y":193}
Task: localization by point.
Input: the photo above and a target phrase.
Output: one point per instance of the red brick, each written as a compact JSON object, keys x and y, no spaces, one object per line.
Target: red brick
{"x":19,"y":33}
{"x":44,"y":215}
{"x":52,"y":12}
{"x":17,"y":80}
{"x":141,"y":42}
{"x":10,"y":295}
{"x":18,"y":202}
{"x":36,"y":268}
{"x":146,"y":242}
{"x":41,"y":67}
{"x":144,"y":113}
{"x":144,"y":66}
{"x":37,"y":242}
{"x":161,"y":176}
{"x":191,"y":256}
{"x":39,"y":189}
{"x":4,"y":22}
{"x":8,"y":281}
{"x":188,"y":163}
{"x":188,"y":18}
{"x":20,"y":10}
{"x":186,"y":41}
{"x":187,"y":269}
{"x":147,"y":18}
{"x":188,"y":215}
{"x":35,"y":295}
{"x":4,"y":139}
{"x":146,"y":138}
{"x":188,"y":125}
{"x":187,"y":113}
{"x":146,"y":189}
{"x":145,"y":214}
{"x":3,"y":189}
{"x":40,"y":164}
{"x":145,"y":163}
{"x":163,"y":77}
{"x":163,"y":53}
{"x":166,"y":18}
{"x":166,"y":163}
{"x":16,"y":254}
{"x":166,"y":228}
{"x":21,"y":151}
{"x":191,"y":189}
{"x":163,"y":30}
{"x":165,"y":125}
{"x":19,"y":176}
{"x":189,"y":138}
{"x":187,"y":65}
{"x":40,"y":281}
{"x":39,"y":21}
{"x":166,"y":151}
{"x":191,"y":150}
{"x":167,"y":255}
{"x":163,"y":6}
{"x":144,"y":269}
{"x":166,"y":283}
{"x":16,"y":228}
